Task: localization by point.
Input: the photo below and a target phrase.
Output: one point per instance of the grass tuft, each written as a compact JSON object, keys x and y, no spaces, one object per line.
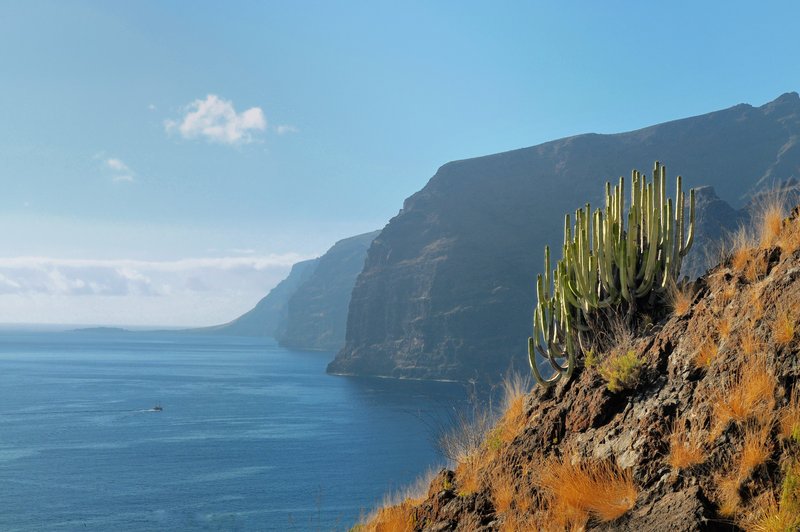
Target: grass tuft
{"x":685,"y":449}
{"x":783,"y":328}
{"x":705,"y":353}
{"x":680,"y":298}
{"x":771,"y":221}
{"x":789,"y":418}
{"x":599,"y":489}
{"x":757,"y":448}
{"x":751,"y":394}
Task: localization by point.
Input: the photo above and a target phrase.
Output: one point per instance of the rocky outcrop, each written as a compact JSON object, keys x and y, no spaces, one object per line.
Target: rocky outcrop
{"x":737,"y":405}
{"x":317,"y":310}
{"x":447,"y":288}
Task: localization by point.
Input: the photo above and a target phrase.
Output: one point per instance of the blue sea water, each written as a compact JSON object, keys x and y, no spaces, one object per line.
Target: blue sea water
{"x":251,"y":437}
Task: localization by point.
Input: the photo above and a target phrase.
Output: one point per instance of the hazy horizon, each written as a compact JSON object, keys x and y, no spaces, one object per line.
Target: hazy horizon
{"x":165,"y":165}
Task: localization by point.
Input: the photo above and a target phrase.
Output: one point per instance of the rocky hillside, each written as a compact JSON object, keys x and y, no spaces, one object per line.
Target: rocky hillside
{"x":447,"y":287}
{"x":701,"y":432}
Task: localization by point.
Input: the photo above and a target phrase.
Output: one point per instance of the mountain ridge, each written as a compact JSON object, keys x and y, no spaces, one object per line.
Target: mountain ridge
{"x":447,"y":286}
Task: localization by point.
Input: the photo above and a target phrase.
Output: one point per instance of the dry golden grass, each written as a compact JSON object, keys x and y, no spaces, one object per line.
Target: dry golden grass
{"x":724,"y":327}
{"x":751,"y":394}
{"x":397,"y":511}
{"x":590,"y":488}
{"x":783,"y":328}
{"x":726,"y":295}
{"x":705,"y":353}
{"x":771,"y":222}
{"x":756,"y":449}
{"x":769,"y":513}
{"x":740,"y":259}
{"x":756,"y":268}
{"x":756,"y":304}
{"x":398,"y":518}
{"x":515,"y":390}
{"x":726,"y":491}
{"x":789,"y":418}
{"x":789,"y":240}
{"x":750,"y":343}
{"x":468,"y":474}
{"x":679,"y":298}
{"x":502,"y":493}
{"x":685,"y":449}
{"x":742,"y":244}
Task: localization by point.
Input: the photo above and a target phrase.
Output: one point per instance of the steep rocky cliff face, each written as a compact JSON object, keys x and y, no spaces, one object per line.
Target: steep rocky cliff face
{"x":705,"y":436}
{"x":308,"y":309}
{"x":447,"y":288}
{"x":317,"y":310}
{"x":269,"y":316}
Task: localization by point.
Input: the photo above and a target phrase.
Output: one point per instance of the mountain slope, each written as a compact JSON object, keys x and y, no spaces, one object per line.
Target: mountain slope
{"x":447,"y":288}
{"x":317,"y":310}
{"x":706,"y":435}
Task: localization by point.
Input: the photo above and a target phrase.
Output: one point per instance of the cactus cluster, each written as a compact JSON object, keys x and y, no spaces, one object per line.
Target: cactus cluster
{"x":614,"y":258}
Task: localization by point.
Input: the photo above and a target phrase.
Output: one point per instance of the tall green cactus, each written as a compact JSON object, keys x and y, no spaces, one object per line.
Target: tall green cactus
{"x":615,"y":259}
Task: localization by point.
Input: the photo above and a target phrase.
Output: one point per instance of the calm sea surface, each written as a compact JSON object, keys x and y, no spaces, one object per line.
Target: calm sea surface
{"x":251,"y":436}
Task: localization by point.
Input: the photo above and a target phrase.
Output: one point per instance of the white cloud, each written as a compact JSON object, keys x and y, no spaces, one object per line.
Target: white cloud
{"x":116,"y":164}
{"x":152,"y":107}
{"x":216,"y":120}
{"x":121,"y":171}
{"x":285,"y":128}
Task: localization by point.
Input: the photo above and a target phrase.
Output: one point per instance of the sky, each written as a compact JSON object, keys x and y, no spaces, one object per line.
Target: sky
{"x":165,"y":163}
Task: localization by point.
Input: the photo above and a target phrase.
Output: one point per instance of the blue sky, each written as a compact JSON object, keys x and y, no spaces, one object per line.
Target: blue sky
{"x":166,"y":162}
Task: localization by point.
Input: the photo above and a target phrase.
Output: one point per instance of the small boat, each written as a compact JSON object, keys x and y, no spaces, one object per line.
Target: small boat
{"x":157,"y":408}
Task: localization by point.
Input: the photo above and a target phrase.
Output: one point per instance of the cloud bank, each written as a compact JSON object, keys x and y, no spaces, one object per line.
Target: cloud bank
{"x":193,"y":291}
{"x":216,"y":120}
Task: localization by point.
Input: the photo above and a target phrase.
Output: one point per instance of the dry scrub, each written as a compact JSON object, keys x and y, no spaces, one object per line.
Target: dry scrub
{"x":597,"y":489}
{"x":685,"y":448}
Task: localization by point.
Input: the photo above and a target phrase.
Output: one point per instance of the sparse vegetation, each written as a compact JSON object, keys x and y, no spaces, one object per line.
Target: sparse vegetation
{"x":685,"y":448}
{"x":789,"y":418}
{"x":705,"y":353}
{"x":751,"y":394}
{"x":724,"y":327}
{"x":621,"y":371}
{"x":783,"y":328}
{"x":750,"y":343}
{"x":616,"y":262}
{"x":680,"y":298}
{"x":757,"y":447}
{"x":598,"y":489}
{"x":733,"y":433}
{"x":771,"y":220}
{"x":770,"y":514}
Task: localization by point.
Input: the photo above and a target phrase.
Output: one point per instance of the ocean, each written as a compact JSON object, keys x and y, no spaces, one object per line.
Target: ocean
{"x":252,"y":436}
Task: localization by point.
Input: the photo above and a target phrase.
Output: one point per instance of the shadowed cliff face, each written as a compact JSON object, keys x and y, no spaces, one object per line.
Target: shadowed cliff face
{"x":447,"y":290}
{"x":317,"y":311}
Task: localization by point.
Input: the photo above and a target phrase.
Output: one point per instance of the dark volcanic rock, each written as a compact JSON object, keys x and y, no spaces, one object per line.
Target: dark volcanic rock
{"x":447,"y":290}
{"x":317,"y":311}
